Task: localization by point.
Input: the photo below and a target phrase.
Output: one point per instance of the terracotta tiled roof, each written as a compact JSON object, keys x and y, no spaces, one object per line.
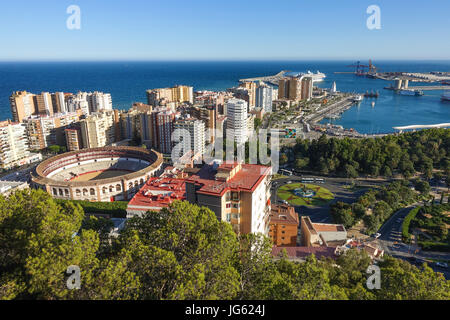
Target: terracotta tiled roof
{"x":304,"y":252}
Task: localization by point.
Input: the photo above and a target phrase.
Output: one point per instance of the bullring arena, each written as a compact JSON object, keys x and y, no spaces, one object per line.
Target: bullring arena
{"x":101,"y":174}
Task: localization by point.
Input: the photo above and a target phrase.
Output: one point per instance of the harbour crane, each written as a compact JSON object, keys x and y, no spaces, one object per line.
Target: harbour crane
{"x":360,"y":68}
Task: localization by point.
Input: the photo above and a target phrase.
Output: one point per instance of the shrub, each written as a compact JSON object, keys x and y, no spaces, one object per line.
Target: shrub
{"x":117,"y":209}
{"x":405,"y":226}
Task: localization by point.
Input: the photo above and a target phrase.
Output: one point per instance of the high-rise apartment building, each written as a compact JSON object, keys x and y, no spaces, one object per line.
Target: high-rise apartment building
{"x":307,"y":88}
{"x":289,"y":88}
{"x":89,"y":102}
{"x":78,"y":101}
{"x":99,"y":129}
{"x":43,"y":103}
{"x":136,"y":124}
{"x":14,"y":148}
{"x":196,"y":129}
{"x":237,"y":120}
{"x":44,"y":131}
{"x":208,"y":115}
{"x":264,"y":97}
{"x":59,"y":102}
{"x":251,"y":87}
{"x":99,"y":101}
{"x":162,"y":96}
{"x":22,"y":105}
{"x":162,"y":126}
{"x":74,"y":139}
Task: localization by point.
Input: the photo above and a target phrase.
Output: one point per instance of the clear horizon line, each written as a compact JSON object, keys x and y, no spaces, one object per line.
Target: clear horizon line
{"x":220,"y":60}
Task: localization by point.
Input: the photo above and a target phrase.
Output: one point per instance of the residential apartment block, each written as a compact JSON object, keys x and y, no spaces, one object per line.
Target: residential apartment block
{"x":44,"y":131}
{"x":284,"y":223}
{"x":237,"y":120}
{"x":99,"y":129}
{"x":237,"y":193}
{"x":162,"y":96}
{"x":264,"y":97}
{"x":196,"y":130}
{"x":14,"y":150}
{"x":24,"y":104}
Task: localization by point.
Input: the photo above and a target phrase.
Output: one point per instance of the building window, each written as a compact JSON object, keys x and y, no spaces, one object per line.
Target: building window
{"x":92,"y":192}
{"x":118,"y":187}
{"x":228,"y":217}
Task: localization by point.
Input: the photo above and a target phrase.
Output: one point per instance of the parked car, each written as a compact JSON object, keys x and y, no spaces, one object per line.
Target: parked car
{"x":441,"y":265}
{"x":376,"y":235}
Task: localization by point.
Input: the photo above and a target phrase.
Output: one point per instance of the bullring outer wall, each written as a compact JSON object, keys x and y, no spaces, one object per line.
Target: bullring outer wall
{"x":122,"y":187}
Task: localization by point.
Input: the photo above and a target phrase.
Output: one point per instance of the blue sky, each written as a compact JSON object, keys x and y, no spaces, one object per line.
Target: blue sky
{"x":223,"y":30}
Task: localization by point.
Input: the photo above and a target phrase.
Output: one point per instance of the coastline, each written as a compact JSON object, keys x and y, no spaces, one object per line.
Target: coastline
{"x":127,"y":81}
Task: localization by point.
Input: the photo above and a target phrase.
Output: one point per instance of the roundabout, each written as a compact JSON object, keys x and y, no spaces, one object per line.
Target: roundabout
{"x":300,"y":194}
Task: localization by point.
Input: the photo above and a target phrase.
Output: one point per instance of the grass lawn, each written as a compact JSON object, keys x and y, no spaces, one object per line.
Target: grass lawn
{"x":322,"y":196}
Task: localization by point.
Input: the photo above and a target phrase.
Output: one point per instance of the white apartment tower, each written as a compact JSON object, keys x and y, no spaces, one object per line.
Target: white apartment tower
{"x":237,"y":119}
{"x":99,"y":101}
{"x":264,"y":97}
{"x":78,"y":101}
{"x":196,"y":129}
{"x":13,"y":143}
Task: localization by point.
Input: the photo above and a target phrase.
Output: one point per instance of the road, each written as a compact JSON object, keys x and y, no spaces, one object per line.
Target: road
{"x":335,"y":185}
{"x":391,"y":242}
{"x":391,"y":231}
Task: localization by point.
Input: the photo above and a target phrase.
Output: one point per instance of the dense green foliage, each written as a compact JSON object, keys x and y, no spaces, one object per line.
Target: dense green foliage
{"x":375,"y":206}
{"x":406,"y":223}
{"x":405,"y":153}
{"x":433,"y":221}
{"x":182,"y":252}
{"x":117,"y":209}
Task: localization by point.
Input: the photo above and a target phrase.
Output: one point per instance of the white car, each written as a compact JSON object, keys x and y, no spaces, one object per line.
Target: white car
{"x":377,"y":235}
{"x":442,"y":265}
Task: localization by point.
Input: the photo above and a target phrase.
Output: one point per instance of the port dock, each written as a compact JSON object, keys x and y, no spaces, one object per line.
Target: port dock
{"x":333,"y":110}
{"x":271,"y":79}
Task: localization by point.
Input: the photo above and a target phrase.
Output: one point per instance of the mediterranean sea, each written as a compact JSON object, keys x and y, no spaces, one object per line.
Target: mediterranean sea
{"x":128,"y":81}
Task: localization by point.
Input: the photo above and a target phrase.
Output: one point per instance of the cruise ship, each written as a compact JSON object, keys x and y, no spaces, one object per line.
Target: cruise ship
{"x":446,"y":96}
{"x":317,"y":77}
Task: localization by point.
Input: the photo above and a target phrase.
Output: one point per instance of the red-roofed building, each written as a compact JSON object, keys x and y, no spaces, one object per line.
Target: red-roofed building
{"x":284,"y":224}
{"x":321,"y":234}
{"x":156,"y":194}
{"x":236,"y":193}
{"x":301,"y":253}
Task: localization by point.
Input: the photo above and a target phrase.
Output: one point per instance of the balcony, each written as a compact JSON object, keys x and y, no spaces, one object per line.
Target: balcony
{"x":235,"y":218}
